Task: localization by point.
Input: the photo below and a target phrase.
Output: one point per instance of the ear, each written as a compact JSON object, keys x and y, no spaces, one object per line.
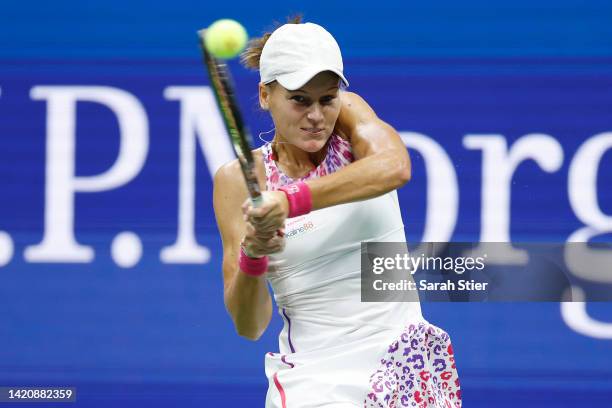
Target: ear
{"x":264,"y":96}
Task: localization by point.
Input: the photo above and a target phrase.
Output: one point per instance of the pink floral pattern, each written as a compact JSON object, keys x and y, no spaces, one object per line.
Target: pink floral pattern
{"x":339,"y":154}
{"x":418,"y":370}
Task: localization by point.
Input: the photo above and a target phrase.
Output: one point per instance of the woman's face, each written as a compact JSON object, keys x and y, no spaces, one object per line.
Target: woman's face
{"x":305,"y":117}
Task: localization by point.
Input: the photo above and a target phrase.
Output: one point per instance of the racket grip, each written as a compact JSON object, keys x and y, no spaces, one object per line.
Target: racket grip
{"x":257,"y":201}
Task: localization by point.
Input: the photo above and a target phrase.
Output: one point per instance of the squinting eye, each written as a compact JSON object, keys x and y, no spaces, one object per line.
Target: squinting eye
{"x":327,"y":99}
{"x":299,"y":99}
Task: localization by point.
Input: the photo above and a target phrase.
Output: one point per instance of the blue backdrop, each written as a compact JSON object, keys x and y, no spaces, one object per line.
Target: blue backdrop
{"x":505,"y":106}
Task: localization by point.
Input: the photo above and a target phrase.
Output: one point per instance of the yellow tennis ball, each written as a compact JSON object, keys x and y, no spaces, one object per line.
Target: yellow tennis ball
{"x":225,"y":38}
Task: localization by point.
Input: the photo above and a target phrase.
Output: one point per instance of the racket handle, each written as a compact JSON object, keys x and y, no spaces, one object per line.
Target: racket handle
{"x":257,"y":200}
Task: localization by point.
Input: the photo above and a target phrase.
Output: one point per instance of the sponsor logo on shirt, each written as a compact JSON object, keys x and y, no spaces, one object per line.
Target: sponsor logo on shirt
{"x":299,"y":229}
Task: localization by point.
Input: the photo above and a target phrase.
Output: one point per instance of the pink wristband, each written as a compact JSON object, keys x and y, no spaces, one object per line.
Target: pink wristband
{"x":252,"y":266}
{"x":299,"y":198}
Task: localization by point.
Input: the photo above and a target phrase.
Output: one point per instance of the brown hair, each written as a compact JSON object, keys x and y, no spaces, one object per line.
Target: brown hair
{"x":251,"y":55}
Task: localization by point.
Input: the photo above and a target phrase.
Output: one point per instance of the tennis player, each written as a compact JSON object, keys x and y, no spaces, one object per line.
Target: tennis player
{"x":329,"y":177}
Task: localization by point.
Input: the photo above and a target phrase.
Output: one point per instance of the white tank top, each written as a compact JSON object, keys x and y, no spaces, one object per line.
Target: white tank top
{"x":335,"y":351}
{"x":316,"y":279}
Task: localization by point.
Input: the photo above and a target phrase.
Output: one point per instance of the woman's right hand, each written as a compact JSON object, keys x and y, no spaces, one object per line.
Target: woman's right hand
{"x":260,"y":243}
{"x":271,"y":214}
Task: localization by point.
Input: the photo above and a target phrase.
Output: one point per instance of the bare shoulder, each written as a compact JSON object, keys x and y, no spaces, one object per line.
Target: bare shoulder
{"x":229,"y":179}
{"x":227,"y":174}
{"x":354,"y":111}
{"x":354,"y":104}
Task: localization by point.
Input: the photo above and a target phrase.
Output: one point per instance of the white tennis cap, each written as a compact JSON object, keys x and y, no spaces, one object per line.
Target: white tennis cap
{"x":295,"y":53}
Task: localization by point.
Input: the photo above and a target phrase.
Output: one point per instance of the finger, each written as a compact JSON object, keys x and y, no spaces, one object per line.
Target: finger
{"x":266,"y":227}
{"x":264,"y":238}
{"x":261,"y":211}
{"x":262,"y":226}
{"x":263,"y":235}
{"x":275,"y":241}
{"x":245,"y":205}
{"x":271,"y":220}
{"x":276,"y":245}
{"x":250,"y":230}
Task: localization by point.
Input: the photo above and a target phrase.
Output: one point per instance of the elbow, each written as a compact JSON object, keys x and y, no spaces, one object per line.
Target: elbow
{"x":399,"y":169}
{"x":247,"y":328}
{"x":404,"y":175}
{"x":249,"y":334}
{"x":251,"y":313}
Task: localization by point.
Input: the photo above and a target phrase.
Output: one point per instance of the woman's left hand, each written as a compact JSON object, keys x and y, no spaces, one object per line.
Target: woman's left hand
{"x":270,"y":215}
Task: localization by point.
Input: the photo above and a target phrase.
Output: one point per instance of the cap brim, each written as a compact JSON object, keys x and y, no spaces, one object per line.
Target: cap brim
{"x":298,"y":79}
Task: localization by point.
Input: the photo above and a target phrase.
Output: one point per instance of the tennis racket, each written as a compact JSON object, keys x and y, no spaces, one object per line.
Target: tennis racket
{"x":239,"y":135}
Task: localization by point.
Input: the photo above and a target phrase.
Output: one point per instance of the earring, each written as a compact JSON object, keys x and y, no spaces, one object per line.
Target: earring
{"x":265,"y":133}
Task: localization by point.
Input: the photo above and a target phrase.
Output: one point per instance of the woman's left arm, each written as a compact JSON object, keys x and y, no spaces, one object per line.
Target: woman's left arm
{"x":382,"y":164}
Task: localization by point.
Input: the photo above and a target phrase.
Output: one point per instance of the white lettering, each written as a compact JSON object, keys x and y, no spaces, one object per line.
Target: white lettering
{"x":498,"y":167}
{"x":442,"y":187}
{"x":576,"y":317}
{"x":201,"y":121}
{"x":58,"y":243}
{"x":582,"y":188}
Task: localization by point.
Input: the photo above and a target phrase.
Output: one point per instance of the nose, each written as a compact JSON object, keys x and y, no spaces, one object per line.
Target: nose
{"x":315,"y":114}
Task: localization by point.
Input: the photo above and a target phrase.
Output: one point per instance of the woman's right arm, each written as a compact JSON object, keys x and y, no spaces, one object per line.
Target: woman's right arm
{"x":247,"y":298}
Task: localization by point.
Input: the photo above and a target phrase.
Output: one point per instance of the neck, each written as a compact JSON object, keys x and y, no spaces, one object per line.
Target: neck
{"x":294,"y":160}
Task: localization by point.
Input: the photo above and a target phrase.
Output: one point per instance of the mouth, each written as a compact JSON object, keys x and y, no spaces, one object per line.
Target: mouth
{"x":313,"y":131}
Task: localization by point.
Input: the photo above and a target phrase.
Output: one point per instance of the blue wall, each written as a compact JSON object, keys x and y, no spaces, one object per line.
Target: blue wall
{"x":157,"y":333}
